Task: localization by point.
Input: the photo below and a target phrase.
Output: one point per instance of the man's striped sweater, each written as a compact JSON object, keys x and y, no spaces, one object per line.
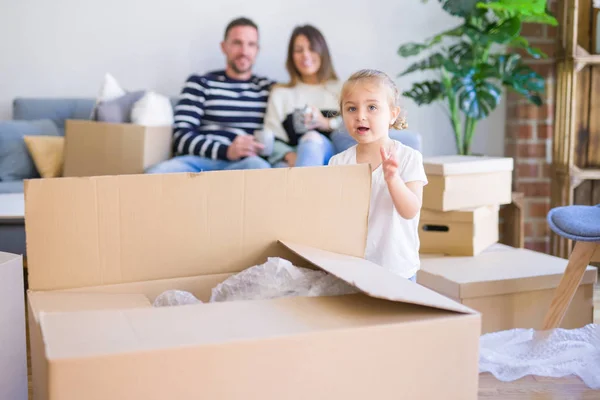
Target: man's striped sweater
{"x":213,"y":109}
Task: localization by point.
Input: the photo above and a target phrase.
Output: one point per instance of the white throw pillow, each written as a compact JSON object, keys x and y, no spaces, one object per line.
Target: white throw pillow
{"x":110,"y":90}
{"x":152,"y":110}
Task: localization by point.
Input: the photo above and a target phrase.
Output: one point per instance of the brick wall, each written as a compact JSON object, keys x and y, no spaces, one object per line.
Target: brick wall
{"x":529,"y":140}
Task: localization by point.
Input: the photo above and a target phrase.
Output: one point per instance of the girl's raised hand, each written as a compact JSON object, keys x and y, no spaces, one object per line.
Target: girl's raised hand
{"x":389,"y":164}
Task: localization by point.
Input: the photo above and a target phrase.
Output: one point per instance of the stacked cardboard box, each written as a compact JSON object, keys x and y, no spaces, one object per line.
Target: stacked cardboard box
{"x":510,"y":287}
{"x":461,"y":203}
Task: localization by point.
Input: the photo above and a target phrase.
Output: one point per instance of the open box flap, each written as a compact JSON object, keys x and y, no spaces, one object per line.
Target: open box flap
{"x":93,"y":231}
{"x":374,"y":280}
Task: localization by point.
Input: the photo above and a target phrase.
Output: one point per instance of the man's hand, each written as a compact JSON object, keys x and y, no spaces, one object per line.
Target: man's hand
{"x":243,"y":146}
{"x":290,"y":158}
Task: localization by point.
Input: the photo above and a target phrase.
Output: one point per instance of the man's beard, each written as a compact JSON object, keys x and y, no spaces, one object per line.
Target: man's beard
{"x":237,"y":70}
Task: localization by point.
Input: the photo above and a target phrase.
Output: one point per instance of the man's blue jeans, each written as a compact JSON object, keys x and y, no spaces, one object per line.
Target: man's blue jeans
{"x":198,"y":164}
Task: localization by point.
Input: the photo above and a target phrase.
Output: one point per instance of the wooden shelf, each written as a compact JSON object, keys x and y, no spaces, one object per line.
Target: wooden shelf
{"x":576,"y":98}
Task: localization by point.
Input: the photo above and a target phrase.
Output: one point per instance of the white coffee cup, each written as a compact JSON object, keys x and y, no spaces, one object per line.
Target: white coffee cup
{"x":267,"y":139}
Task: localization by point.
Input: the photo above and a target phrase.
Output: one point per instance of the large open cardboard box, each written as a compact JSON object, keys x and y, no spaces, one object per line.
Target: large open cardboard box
{"x":98,"y":148}
{"x":512,"y":288}
{"x":13,"y":352}
{"x":102,"y":248}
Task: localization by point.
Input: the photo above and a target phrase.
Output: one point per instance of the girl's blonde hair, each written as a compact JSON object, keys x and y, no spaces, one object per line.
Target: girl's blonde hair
{"x":383,"y":79}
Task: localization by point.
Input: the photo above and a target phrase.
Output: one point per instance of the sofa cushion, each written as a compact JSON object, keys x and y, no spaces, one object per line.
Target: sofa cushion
{"x":56,"y":109}
{"x":152,"y":110}
{"x":15,"y":161}
{"x":118,"y":111}
{"x":47,"y":154}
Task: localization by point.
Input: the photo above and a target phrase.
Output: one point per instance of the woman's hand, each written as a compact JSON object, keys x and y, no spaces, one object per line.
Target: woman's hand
{"x":316,"y":120}
{"x":290,"y":158}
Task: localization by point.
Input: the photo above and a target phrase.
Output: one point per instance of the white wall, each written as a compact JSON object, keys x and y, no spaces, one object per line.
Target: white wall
{"x":64,"y":47}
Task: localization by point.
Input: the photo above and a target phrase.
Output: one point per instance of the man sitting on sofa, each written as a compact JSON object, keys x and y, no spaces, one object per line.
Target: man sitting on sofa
{"x":217,"y":113}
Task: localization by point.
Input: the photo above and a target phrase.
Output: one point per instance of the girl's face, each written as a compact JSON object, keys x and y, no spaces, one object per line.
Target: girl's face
{"x":306,"y":60}
{"x":367,"y":112}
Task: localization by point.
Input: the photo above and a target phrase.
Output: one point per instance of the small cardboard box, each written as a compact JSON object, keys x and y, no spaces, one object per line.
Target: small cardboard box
{"x":13,"y":350}
{"x":134,"y":236}
{"x":512,"y":288}
{"x":458,"y":182}
{"x":98,"y":148}
{"x":458,"y":233}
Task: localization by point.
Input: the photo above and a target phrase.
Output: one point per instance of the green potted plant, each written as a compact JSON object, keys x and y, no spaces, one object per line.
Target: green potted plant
{"x":475,"y":59}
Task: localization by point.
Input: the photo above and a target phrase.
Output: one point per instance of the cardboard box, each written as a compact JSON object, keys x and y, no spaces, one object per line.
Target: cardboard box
{"x":458,"y":233}
{"x":98,"y":148}
{"x":459,"y":182}
{"x":141,"y":235}
{"x":13,"y":350}
{"x":512,"y":288}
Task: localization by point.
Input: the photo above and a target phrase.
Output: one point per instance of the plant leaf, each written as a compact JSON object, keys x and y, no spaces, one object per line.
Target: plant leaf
{"x":425,"y":92}
{"x":413,"y":49}
{"x":526,"y":10}
{"x":476,"y":96}
{"x":462,"y":8}
{"x":505,"y":65}
{"x":521,"y":42}
{"x":519,"y":77}
{"x":461,"y":53}
{"x":506,"y":31}
{"x":474,"y":33}
{"x":432,"y":62}
{"x":454,"y":32}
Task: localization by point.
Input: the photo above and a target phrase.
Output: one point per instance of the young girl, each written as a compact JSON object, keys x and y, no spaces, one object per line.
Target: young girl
{"x":369,"y":106}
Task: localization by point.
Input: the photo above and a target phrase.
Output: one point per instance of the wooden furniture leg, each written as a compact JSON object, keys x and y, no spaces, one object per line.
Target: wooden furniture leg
{"x":578,"y":261}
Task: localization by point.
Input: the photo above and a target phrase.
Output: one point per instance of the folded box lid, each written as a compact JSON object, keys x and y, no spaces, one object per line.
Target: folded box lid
{"x":497,"y":271}
{"x":459,"y":165}
{"x":93,"y":231}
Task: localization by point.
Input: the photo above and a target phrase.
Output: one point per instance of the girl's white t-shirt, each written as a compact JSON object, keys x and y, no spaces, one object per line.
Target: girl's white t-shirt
{"x":392,"y":241}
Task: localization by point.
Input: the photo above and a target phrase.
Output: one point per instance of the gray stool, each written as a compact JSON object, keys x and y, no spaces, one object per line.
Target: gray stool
{"x":582,"y":225}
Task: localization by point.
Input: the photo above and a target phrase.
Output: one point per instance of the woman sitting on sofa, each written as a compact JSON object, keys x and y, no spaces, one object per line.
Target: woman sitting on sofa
{"x":302,"y":113}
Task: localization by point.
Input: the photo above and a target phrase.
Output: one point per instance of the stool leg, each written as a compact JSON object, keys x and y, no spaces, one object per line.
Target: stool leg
{"x":578,"y":262}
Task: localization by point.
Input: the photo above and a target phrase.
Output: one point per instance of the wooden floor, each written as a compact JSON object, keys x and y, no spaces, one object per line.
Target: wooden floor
{"x":528,"y":388}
